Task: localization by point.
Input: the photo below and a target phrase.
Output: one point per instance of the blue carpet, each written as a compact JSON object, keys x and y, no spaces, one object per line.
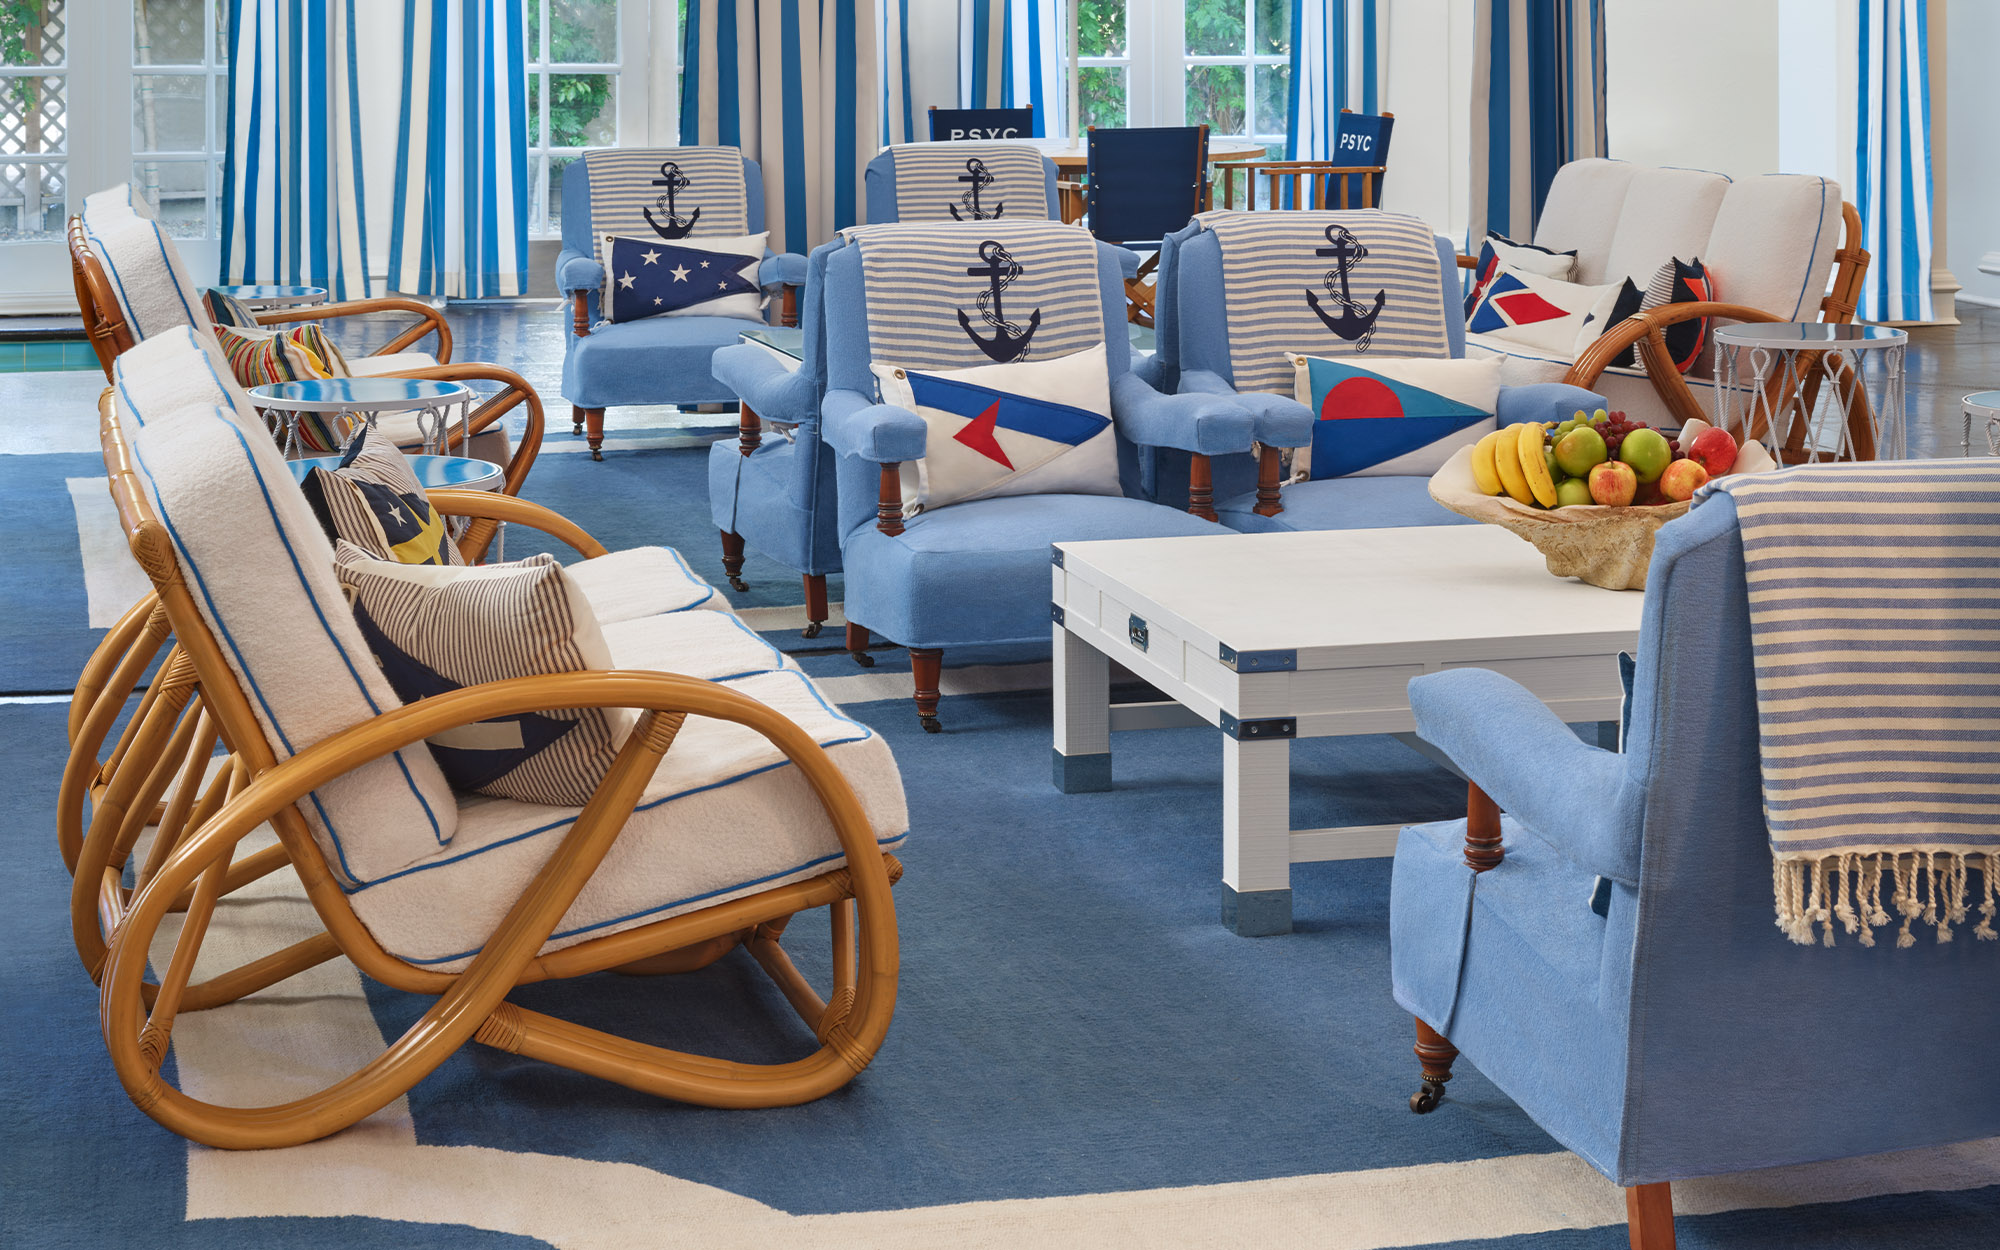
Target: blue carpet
{"x":44,"y":616}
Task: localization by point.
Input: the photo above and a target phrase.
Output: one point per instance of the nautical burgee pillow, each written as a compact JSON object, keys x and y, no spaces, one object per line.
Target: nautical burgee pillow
{"x":433,"y":630}
{"x":1548,"y":314}
{"x":1377,"y":415}
{"x":694,"y":278}
{"x":373,"y":500}
{"x":1497,"y":252}
{"x":1028,"y":428}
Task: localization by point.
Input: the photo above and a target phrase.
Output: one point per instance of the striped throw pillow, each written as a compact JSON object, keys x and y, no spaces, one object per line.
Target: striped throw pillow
{"x":225,"y":309}
{"x":435,"y":630}
{"x":257,"y":356}
{"x":374,"y":501}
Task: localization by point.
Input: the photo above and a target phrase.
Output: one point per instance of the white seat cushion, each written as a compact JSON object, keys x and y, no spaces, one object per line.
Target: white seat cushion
{"x":395,"y":362}
{"x":641,"y":581}
{"x":1773,"y":242}
{"x":490,"y":444}
{"x":713,"y":646}
{"x":176,"y":369}
{"x":725,"y":816}
{"x":153,"y":290}
{"x":1581,"y":214}
{"x":1626,"y":390}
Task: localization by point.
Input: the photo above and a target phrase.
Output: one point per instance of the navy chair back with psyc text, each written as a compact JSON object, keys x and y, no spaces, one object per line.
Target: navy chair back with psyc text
{"x":1362,"y":139}
{"x":953,"y":125}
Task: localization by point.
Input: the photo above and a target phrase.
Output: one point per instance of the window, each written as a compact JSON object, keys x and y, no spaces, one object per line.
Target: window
{"x":1225,"y":63}
{"x":34,"y":123}
{"x":180,"y":111}
{"x":1104,"y":65}
{"x":574,"y":66}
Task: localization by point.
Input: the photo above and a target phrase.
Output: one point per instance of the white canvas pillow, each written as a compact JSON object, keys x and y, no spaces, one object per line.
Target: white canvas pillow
{"x":435,"y":629}
{"x":1382,"y":416}
{"x":1497,"y":252}
{"x":1028,"y":428}
{"x":1545,"y":314}
{"x":698,"y":277}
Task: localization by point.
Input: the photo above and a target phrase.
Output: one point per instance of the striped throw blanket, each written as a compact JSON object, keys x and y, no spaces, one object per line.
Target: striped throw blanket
{"x":970,"y":182}
{"x":945,"y":295}
{"x":1875,"y":628}
{"x":1325,"y":284}
{"x":666,"y":193}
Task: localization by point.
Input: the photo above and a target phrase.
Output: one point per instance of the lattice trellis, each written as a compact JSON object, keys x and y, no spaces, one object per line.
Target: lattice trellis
{"x":32,"y":200}
{"x":33,"y":119}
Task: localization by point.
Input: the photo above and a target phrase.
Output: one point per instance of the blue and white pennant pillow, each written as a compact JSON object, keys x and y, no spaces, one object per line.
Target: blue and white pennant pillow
{"x":690,"y":278}
{"x":1027,"y":428}
{"x":1390,"y":416}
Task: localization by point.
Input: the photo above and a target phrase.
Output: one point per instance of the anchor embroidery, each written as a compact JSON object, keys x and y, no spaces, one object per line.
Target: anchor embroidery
{"x":1354,"y":323}
{"x":676,"y":227}
{"x":1009,"y":341}
{"x":975,"y":173}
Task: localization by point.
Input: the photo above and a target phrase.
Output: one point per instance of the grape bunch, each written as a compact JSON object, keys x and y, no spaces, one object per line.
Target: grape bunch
{"x":1616,"y":426}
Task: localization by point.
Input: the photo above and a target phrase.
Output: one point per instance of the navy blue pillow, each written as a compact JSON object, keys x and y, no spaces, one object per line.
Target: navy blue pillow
{"x":651,"y":277}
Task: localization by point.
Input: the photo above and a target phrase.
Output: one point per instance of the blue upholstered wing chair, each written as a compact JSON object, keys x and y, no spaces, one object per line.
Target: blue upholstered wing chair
{"x":1606,"y":954}
{"x":659,"y":359}
{"x":977,"y":572}
{"x":1248,"y":494}
{"x":775,"y":495}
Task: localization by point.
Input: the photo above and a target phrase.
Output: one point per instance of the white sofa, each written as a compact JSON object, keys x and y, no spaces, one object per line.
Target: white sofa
{"x":1769,"y":243}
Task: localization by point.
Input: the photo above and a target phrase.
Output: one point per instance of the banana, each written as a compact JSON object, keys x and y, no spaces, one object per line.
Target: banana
{"x":1507,"y":462}
{"x":1535,"y":465}
{"x":1483,"y":471}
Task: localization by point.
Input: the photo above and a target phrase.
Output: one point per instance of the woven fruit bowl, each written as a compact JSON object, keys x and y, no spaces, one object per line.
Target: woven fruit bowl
{"x":1604,"y":546}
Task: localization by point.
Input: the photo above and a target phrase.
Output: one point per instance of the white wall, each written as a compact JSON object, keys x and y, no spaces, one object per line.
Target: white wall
{"x":1429,"y":88}
{"x":1693,"y":83}
{"x":1972,"y":191}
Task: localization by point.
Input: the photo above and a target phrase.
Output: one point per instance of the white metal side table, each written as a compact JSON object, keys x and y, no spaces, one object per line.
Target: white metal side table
{"x":1813,"y":392}
{"x":1982,"y":406}
{"x":368,"y":399}
{"x":262,"y":296}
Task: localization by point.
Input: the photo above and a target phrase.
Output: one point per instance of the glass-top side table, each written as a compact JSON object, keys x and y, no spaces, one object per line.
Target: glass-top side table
{"x":1813,"y":392}
{"x":261,"y":296}
{"x":1982,"y":406}
{"x":368,"y":399}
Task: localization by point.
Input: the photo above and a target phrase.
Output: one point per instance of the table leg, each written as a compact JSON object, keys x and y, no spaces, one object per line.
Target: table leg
{"x":1257,"y":836}
{"x":1083,"y":715}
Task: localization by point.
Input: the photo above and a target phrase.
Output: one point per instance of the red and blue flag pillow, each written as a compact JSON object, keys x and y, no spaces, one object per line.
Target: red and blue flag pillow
{"x":654,"y":278}
{"x":1497,"y":252}
{"x":1393,"y":416}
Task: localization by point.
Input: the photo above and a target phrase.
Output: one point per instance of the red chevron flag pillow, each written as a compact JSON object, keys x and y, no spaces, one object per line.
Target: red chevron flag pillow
{"x":1028,"y":428}
{"x":1391,"y":416}
{"x":1547,"y":314}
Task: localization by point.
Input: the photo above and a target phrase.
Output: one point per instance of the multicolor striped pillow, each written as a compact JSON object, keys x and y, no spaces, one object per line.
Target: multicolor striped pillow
{"x":435,"y":630}
{"x":225,"y":309}
{"x":257,"y":356}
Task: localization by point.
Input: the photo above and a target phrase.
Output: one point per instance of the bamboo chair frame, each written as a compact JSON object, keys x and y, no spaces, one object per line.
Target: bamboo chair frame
{"x":1309,"y":182}
{"x":197,"y":866}
{"x":110,"y":337}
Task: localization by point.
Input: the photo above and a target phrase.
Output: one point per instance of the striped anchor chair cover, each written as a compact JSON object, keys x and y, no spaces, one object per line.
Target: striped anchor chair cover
{"x":961,"y":182}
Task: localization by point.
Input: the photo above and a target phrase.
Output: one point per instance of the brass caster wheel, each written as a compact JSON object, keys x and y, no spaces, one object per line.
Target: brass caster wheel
{"x":576,"y":431}
{"x":811,"y":630}
{"x":736,"y":583}
{"x":930,"y":724}
{"x":1425,"y":1100}
{"x":862,"y":658}
{"x":596,"y":455}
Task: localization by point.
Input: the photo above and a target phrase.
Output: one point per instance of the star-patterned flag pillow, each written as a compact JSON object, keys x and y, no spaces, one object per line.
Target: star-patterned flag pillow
{"x":1403,"y":416}
{"x":1027,"y":428}
{"x":655,"y":278}
{"x":373,"y":500}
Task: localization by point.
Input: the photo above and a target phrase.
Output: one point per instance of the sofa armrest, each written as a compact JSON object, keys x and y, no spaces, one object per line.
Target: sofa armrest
{"x":1281,"y":420}
{"x":577,"y":272}
{"x":781,"y":269}
{"x":855,"y":425}
{"x":1207,"y":425}
{"x":1545,"y":401}
{"x":1578,"y":798}
{"x":764,"y":384}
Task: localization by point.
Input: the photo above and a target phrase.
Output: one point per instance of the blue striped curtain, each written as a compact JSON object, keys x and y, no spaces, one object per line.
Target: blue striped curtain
{"x":797,"y":85}
{"x":461,"y":219}
{"x":291,"y":183}
{"x":1537,"y":104}
{"x":1011,"y":54}
{"x":1893,"y":160}
{"x":899,"y":117}
{"x":1336,"y":64}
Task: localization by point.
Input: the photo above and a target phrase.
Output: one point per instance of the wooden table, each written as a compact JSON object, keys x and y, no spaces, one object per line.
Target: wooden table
{"x":1073,"y":158}
{"x":1271,"y":637}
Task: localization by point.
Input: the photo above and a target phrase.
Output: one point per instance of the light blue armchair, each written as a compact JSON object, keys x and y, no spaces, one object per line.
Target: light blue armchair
{"x":659,"y":359}
{"x":977,"y":572}
{"x":1192,"y":325}
{"x":1606,"y":953}
{"x":775,"y":495}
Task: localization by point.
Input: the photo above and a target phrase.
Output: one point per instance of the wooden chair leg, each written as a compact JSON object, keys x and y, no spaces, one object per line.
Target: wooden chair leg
{"x":593,"y":421}
{"x":1649,"y":1216}
{"x":1270,"y":484}
{"x":815,"y":603}
{"x":1201,"y":488}
{"x":926,"y":664}
{"x":1436,"y":1056}
{"x":857,"y":645}
{"x":732,"y":559}
{"x":576,"y":421}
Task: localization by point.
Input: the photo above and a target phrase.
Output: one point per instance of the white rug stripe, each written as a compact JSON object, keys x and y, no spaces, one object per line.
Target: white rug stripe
{"x":112,"y":579}
{"x":563,"y":444}
{"x":793,"y":617}
{"x":978,"y":679}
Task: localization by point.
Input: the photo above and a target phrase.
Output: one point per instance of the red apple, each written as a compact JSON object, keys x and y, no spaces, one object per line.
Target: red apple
{"x":1613,"y":483}
{"x":1714,"y":450}
{"x":1683,"y":478}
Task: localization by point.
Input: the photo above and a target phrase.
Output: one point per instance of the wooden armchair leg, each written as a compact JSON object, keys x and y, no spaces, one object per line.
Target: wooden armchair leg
{"x":815,"y":603}
{"x":593,"y":421}
{"x":1436,"y":1056}
{"x":1649,"y":1216}
{"x":857,"y":645}
{"x":1483,"y":852}
{"x":926,"y":664}
{"x":575,"y":421}
{"x":1201,"y":488}
{"x":732,"y":559}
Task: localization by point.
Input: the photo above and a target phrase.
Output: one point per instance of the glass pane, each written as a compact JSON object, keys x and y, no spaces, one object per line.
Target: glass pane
{"x":583,"y":31}
{"x":177,"y":192}
{"x":1215,"y":96}
{"x":1215,"y":27}
{"x":1101,"y":30}
{"x":1101,"y":95}
{"x":169,"y":112}
{"x":31,"y":38}
{"x":1273,"y":36}
{"x":222,"y":32}
{"x":556,"y":166}
{"x":1274,"y":85}
{"x":32,"y":117}
{"x":535,"y":138}
{"x":583,"y":110}
{"x":536,"y":201}
{"x":168,"y":32}
{"x":31,"y":202}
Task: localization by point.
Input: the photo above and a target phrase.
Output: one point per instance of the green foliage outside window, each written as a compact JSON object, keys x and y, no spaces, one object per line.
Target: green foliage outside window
{"x":574,"y":100}
{"x":21,"y":23}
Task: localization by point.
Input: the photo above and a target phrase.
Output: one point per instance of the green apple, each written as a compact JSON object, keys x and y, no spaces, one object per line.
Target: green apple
{"x":1648,"y":454}
{"x":1572,"y":491}
{"x":1580,"y":451}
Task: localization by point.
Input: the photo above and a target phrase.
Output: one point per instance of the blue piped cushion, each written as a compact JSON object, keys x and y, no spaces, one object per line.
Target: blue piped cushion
{"x":1389,"y":416}
{"x":706,"y":277}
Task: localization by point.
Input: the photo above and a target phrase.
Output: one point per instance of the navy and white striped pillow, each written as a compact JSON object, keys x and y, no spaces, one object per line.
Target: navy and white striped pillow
{"x":374,"y":501}
{"x":434,"y":629}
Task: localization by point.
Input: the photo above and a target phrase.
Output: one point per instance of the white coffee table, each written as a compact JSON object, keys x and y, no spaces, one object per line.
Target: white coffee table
{"x":1272,"y":637}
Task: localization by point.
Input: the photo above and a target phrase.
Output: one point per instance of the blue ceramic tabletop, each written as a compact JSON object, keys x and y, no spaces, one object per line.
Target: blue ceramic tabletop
{"x":1808,"y":334}
{"x":433,"y":472}
{"x":1984,"y":402}
{"x":257,"y":292}
{"x":346,"y":394}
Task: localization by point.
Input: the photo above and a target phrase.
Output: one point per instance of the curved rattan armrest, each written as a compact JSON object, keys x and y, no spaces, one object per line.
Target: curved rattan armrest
{"x":1653,"y":322}
{"x":514,"y":391}
{"x":432,"y":321}
{"x":491,"y":506}
{"x":1467,"y":262}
